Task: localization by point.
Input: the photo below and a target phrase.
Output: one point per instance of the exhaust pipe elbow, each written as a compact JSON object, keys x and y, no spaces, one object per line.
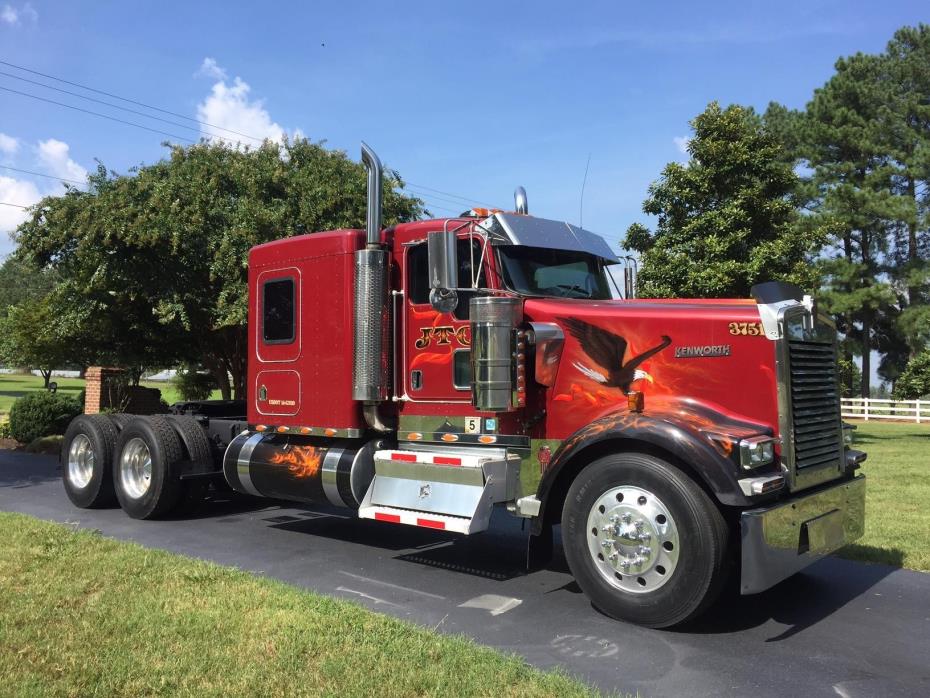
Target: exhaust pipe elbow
{"x":375,"y":179}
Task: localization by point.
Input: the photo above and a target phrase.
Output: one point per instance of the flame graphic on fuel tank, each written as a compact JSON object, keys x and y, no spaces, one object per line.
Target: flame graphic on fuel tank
{"x":302,"y":461}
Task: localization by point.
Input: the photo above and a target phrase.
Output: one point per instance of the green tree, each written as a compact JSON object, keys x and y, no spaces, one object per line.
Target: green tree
{"x":914,"y":381}
{"x":906,"y":128}
{"x":27,"y":338}
{"x":726,"y":219}
{"x":153,"y":266}
{"x":845,"y":143}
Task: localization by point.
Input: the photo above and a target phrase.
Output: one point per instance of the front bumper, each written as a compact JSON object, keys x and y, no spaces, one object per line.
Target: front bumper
{"x":784,"y":539}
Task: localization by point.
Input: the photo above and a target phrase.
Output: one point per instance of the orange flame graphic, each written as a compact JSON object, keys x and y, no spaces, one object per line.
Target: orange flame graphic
{"x":303,"y":461}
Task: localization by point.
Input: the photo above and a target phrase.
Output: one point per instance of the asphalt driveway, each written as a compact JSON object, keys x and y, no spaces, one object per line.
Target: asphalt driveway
{"x":841,"y":628}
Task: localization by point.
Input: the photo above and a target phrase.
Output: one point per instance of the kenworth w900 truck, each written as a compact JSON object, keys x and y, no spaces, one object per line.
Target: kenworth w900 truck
{"x":426,"y":373}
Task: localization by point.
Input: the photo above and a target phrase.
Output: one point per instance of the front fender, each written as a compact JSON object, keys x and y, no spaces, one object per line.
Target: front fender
{"x":703,"y":439}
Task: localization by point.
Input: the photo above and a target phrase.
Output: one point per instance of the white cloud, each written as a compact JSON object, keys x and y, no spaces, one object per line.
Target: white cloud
{"x":14,"y":16}
{"x":681,"y":142}
{"x":230,"y":106}
{"x":8,"y":144}
{"x":210,"y":69}
{"x":20,"y":193}
{"x":54,"y":157}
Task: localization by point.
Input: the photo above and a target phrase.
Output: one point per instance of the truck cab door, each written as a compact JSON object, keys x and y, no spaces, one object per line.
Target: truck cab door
{"x":277,"y":342}
{"x":437,"y":346}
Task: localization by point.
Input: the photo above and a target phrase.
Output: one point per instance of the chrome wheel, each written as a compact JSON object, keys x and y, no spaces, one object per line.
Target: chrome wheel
{"x":632,"y":539}
{"x":80,"y":461}
{"x":135,"y":468}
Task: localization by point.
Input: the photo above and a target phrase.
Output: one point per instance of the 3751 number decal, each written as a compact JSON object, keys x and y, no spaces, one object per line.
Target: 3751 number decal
{"x":752,"y":329}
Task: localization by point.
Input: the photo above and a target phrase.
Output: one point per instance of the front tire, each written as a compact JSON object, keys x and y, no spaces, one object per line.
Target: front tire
{"x":144,"y":471}
{"x":86,"y":457}
{"x":643,"y":541}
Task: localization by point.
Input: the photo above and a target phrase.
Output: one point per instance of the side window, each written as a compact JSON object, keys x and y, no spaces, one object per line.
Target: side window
{"x":278,"y":311}
{"x":418,"y":275}
{"x":461,"y":369}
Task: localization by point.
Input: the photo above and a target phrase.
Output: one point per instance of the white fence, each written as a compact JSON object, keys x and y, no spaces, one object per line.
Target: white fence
{"x":872,"y":408}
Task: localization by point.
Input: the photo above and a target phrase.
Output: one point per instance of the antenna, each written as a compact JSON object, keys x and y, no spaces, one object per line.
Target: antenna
{"x":581,"y":203}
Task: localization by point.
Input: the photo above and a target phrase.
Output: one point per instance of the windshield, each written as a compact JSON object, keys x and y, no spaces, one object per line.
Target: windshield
{"x":538,"y":271}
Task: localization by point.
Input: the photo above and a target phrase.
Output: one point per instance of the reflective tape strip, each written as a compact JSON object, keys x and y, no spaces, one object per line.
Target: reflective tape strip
{"x":408,"y":517}
{"x":431,"y":523}
{"x":446,"y":460}
{"x":243,"y":464}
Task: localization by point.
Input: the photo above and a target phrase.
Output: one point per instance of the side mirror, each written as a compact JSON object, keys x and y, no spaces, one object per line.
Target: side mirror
{"x":443,"y":270}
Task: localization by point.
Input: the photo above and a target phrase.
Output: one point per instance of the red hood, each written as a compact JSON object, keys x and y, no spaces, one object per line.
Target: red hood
{"x":710,"y":351}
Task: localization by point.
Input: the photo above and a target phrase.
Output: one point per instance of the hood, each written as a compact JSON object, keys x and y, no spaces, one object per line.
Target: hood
{"x":712,"y":352}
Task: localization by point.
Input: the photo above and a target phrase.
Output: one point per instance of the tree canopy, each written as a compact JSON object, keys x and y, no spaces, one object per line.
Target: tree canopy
{"x":725,"y":219}
{"x":151,"y":268}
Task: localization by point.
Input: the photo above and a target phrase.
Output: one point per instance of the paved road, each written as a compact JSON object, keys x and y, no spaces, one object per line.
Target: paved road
{"x":839,"y":629}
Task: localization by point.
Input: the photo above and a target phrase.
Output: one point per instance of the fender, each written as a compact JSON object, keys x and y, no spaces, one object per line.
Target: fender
{"x":695,"y":433}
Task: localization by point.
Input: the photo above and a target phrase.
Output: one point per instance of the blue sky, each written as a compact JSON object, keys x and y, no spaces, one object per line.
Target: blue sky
{"x":468,"y":98}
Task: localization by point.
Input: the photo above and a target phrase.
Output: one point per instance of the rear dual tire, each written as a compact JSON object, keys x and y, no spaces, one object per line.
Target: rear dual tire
{"x":86,"y":459}
{"x":145,"y":473}
{"x":644,"y":542}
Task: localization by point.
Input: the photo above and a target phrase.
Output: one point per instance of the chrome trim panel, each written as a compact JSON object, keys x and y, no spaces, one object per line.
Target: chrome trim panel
{"x":244,"y":461}
{"x":549,"y":340}
{"x":781,"y":540}
{"x":328,"y":476}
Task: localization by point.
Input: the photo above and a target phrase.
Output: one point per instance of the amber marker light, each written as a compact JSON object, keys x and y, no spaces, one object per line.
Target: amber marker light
{"x":635,"y":401}
{"x":414,"y":436}
{"x":449,"y":437}
{"x":487,"y":439}
{"x":329,"y":432}
{"x":260,"y":427}
{"x":281,"y":430}
{"x":305,"y":430}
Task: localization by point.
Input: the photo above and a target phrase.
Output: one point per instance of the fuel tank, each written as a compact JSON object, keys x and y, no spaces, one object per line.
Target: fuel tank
{"x":301,"y":469}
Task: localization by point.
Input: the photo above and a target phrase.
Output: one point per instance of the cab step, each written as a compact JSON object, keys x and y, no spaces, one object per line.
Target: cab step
{"x":450,"y":489}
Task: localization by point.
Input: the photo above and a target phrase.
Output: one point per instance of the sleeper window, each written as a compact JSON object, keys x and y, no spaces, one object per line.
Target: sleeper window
{"x":278,"y":311}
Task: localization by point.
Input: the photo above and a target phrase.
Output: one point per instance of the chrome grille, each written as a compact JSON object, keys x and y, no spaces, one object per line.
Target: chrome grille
{"x":815,"y":404}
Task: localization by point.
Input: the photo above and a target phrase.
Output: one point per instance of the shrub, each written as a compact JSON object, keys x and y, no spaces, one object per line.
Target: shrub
{"x":42,"y":414}
{"x":5,"y":429}
{"x":193,"y":384}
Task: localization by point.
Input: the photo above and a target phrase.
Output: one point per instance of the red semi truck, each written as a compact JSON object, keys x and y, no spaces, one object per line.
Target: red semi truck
{"x":426,"y":373}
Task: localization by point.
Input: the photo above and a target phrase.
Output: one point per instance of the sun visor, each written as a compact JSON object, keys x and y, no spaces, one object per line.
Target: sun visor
{"x":514,"y":229}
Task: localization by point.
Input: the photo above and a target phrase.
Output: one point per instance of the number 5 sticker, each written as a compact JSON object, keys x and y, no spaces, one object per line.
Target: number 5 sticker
{"x":472,"y":425}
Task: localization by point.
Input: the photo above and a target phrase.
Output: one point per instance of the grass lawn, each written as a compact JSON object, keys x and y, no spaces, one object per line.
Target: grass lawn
{"x":14,"y":386}
{"x":897,"y":503}
{"x":81,"y":614}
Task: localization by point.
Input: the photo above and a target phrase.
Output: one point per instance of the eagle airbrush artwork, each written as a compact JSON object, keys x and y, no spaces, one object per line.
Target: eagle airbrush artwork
{"x":608,"y":350}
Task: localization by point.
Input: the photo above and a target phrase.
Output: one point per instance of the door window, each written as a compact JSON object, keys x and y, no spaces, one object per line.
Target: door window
{"x":278,"y":311}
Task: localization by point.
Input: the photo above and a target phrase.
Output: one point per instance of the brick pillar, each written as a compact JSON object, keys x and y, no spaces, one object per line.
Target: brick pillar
{"x":97,"y":388}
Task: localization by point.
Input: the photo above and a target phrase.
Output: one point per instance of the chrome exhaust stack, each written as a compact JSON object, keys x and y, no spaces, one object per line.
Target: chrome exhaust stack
{"x":371,"y":374}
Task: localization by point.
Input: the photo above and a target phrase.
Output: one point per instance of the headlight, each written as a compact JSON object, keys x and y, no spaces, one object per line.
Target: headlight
{"x":756,"y":451}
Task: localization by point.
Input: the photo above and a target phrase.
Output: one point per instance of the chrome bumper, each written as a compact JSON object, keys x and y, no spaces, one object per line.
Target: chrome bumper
{"x":786,"y":538}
